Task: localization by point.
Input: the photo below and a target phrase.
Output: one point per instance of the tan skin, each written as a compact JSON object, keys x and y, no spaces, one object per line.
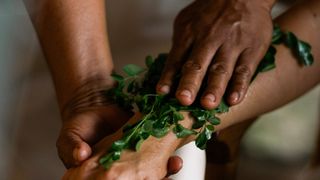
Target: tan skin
{"x":269,"y":91}
{"x":74,"y":38}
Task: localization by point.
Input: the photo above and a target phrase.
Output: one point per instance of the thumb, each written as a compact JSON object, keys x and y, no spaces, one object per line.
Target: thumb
{"x":72,"y":149}
{"x":175,"y":164}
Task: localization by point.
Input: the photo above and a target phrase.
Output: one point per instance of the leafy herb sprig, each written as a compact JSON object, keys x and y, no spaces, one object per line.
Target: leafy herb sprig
{"x":160,"y":113}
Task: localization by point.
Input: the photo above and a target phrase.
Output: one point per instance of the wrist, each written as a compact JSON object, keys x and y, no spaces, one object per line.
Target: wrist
{"x":76,"y":77}
{"x":90,"y":94}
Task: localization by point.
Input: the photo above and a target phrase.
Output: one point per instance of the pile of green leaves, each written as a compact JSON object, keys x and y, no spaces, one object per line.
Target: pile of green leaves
{"x":161,"y":113}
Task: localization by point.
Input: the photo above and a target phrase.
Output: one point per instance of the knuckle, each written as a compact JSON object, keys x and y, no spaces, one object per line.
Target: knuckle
{"x":192,"y":67}
{"x":219,"y":69}
{"x":243,"y":72}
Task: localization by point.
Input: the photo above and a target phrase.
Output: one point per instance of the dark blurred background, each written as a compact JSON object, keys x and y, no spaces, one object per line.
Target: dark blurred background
{"x":277,"y":146}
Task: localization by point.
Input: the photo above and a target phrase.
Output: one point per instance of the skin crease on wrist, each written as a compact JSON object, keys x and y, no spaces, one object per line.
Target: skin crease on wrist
{"x":75,"y":51}
{"x":270,"y":90}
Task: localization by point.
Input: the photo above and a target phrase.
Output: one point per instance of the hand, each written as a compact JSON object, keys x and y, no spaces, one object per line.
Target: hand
{"x":222,"y":40}
{"x":83,"y":130}
{"x":87,"y":118}
{"x":150,"y":162}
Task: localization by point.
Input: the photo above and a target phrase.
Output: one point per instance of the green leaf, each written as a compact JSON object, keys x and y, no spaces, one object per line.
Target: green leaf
{"x":149,"y":61}
{"x":118,"y":145}
{"x":177,"y":116}
{"x":204,"y":136}
{"x":138,"y":145}
{"x":300,"y":48}
{"x":214,"y":120}
{"x":201,"y":141}
{"x":106,"y":161}
{"x":291,"y":40}
{"x":106,"y":158}
{"x":277,"y":35}
{"x":107,"y":164}
{"x":182,"y":132}
{"x":198,"y":124}
{"x":116,"y":155}
{"x":267,"y":63}
{"x":223,"y":107}
{"x":304,"y":52}
{"x":147,"y":126}
{"x":132,"y":87}
{"x":133,"y":70}
{"x":117,"y":77}
{"x":208,"y":131}
{"x":160,"y":123}
{"x":158,"y":133}
{"x":200,"y":115}
{"x":144,"y":135}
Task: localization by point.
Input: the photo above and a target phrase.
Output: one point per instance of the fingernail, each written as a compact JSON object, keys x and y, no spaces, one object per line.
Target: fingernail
{"x":165,"y":89}
{"x":235,"y":96}
{"x":210,"y":97}
{"x":80,"y":154}
{"x":186,"y":93}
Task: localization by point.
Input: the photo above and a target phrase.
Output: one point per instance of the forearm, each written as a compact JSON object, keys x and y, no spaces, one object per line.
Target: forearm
{"x":288,"y":80}
{"x":74,"y":40}
{"x":273,"y":89}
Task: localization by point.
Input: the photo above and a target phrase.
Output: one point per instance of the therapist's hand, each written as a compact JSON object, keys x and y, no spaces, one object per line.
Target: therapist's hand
{"x":221,"y":42}
{"x":87,"y":117}
{"x":80,"y":132}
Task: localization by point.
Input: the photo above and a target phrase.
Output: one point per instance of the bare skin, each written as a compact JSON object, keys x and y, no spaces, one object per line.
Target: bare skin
{"x":74,"y":39}
{"x":269,"y":91}
{"x":80,"y":62}
{"x":73,"y":35}
{"x":140,"y":162}
{"x":219,"y":39}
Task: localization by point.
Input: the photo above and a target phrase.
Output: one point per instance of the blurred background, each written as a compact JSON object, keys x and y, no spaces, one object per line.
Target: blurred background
{"x":277,"y":146}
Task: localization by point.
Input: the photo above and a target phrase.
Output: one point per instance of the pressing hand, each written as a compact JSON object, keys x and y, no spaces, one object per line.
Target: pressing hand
{"x":217,"y":41}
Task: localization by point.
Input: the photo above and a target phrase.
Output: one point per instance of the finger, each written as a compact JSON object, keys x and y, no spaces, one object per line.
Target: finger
{"x":193,"y":72}
{"x":242,"y":75}
{"x":173,"y":64}
{"x":72,"y":149}
{"x":219,"y":74}
{"x":175,"y":164}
